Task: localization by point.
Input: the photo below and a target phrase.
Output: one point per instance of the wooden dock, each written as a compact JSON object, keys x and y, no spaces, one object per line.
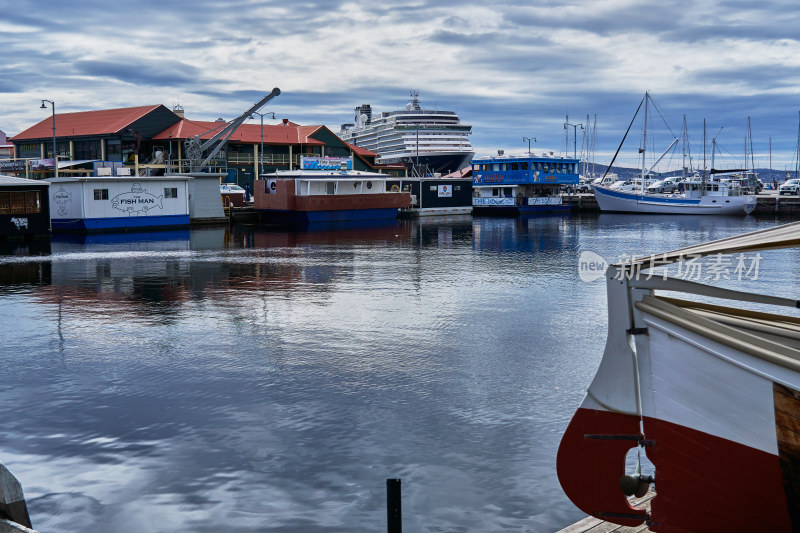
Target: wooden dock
{"x":595,"y":525}
{"x":769,"y":203}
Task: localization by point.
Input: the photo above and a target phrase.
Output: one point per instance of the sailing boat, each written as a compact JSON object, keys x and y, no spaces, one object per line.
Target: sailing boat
{"x":699,"y":197}
{"x":711,"y":392}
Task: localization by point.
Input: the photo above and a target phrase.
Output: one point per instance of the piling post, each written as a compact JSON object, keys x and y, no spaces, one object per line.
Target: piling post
{"x":394,"y":517}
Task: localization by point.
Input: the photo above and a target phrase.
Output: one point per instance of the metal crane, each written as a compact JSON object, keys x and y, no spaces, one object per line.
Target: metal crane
{"x":195,"y":147}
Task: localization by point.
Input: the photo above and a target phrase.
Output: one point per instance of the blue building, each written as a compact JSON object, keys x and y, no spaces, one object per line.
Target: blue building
{"x":521,"y":185}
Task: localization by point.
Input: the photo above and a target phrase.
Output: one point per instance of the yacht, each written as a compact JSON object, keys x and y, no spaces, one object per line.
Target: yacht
{"x":425,"y":140}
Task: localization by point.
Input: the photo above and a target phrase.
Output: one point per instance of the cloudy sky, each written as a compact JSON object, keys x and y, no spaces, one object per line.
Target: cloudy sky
{"x":511,"y":69}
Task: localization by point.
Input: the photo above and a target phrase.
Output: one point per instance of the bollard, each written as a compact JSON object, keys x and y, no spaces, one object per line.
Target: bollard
{"x":394,"y":515}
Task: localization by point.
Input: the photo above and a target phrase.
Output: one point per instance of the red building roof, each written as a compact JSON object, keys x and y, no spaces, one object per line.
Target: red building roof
{"x":86,"y":123}
{"x":247,"y":133}
{"x":361,"y":151}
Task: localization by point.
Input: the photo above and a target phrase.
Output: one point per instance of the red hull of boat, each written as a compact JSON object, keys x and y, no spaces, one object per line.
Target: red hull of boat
{"x":703,"y":483}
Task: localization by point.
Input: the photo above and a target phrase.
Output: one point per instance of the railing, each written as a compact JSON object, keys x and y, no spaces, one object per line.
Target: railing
{"x":239,"y":158}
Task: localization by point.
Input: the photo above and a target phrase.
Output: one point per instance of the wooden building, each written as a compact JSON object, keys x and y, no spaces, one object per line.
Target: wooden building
{"x":150,"y":141}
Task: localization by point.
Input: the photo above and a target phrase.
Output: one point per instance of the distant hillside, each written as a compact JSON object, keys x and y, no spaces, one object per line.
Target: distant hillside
{"x":765,"y":174}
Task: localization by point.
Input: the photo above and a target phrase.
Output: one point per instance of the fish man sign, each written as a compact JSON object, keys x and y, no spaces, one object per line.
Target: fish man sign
{"x":62,"y":199}
{"x":136,"y":202}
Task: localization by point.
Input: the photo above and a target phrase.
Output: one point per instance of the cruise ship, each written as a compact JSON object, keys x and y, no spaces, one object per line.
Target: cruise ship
{"x":425,"y":140}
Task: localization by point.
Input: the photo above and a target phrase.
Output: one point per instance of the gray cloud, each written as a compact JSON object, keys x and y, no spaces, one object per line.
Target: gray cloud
{"x":511,"y":69}
{"x":137,"y":71}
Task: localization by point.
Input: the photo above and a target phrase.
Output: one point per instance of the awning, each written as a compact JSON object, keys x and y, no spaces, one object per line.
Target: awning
{"x":67,"y":164}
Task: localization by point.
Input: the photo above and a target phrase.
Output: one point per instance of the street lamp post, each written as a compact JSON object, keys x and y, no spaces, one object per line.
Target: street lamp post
{"x":261,"y":150}
{"x":529,"y":139}
{"x":574,"y":136}
{"x":55,"y":158}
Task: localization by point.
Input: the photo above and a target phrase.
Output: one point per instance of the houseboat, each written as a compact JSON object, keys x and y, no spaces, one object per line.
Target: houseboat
{"x":119,"y":203}
{"x":326,"y":190}
{"x":435,"y":195}
{"x":24,"y":208}
{"x":511,"y":186}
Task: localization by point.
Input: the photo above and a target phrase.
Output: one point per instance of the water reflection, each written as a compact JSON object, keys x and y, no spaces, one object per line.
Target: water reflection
{"x":271,"y":380}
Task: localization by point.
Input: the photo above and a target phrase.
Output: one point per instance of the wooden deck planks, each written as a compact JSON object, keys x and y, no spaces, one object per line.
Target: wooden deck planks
{"x":595,"y":525}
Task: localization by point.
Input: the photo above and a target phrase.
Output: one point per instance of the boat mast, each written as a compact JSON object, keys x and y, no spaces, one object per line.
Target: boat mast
{"x":594,"y":143}
{"x":797,"y":149}
{"x":703,"y":186}
{"x":752,"y":156}
{"x":684,"y":147}
{"x":714,"y":148}
{"x":644,"y":136}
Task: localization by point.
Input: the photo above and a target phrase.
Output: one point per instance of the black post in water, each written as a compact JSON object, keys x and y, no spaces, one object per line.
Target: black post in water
{"x":394,"y":516}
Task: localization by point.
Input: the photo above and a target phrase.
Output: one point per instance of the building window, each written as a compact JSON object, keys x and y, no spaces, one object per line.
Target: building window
{"x":87,"y":149}
{"x":101,"y":194}
{"x":114,"y":150}
{"x":170,"y":192}
{"x":29,"y":150}
{"x":20,"y":203}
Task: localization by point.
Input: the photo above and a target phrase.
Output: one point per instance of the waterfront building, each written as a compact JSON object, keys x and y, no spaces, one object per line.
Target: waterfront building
{"x":103,"y":203}
{"x":507,"y":185}
{"x":149,"y":140}
{"x":327,"y":189}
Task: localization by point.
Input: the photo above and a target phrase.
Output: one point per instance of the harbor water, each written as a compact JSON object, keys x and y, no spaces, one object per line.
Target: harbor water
{"x":261,"y":380}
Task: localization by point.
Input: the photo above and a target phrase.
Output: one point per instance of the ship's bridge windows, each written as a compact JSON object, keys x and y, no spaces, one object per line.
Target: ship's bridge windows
{"x":495,"y":191}
{"x":495,"y":166}
{"x":507,"y":192}
{"x":503,"y":166}
{"x":514,"y":166}
{"x":476,"y":167}
{"x":524,"y":165}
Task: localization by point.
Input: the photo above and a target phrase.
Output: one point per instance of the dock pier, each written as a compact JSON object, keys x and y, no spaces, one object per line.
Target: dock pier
{"x":769,"y":203}
{"x":591,"y":524}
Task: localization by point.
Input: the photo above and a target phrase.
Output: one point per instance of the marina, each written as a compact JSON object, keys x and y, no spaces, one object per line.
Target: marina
{"x":434,"y":266}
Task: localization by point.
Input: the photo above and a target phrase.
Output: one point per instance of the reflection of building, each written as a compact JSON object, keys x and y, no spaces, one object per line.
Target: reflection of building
{"x":152,"y":276}
{"x":150,"y":139}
